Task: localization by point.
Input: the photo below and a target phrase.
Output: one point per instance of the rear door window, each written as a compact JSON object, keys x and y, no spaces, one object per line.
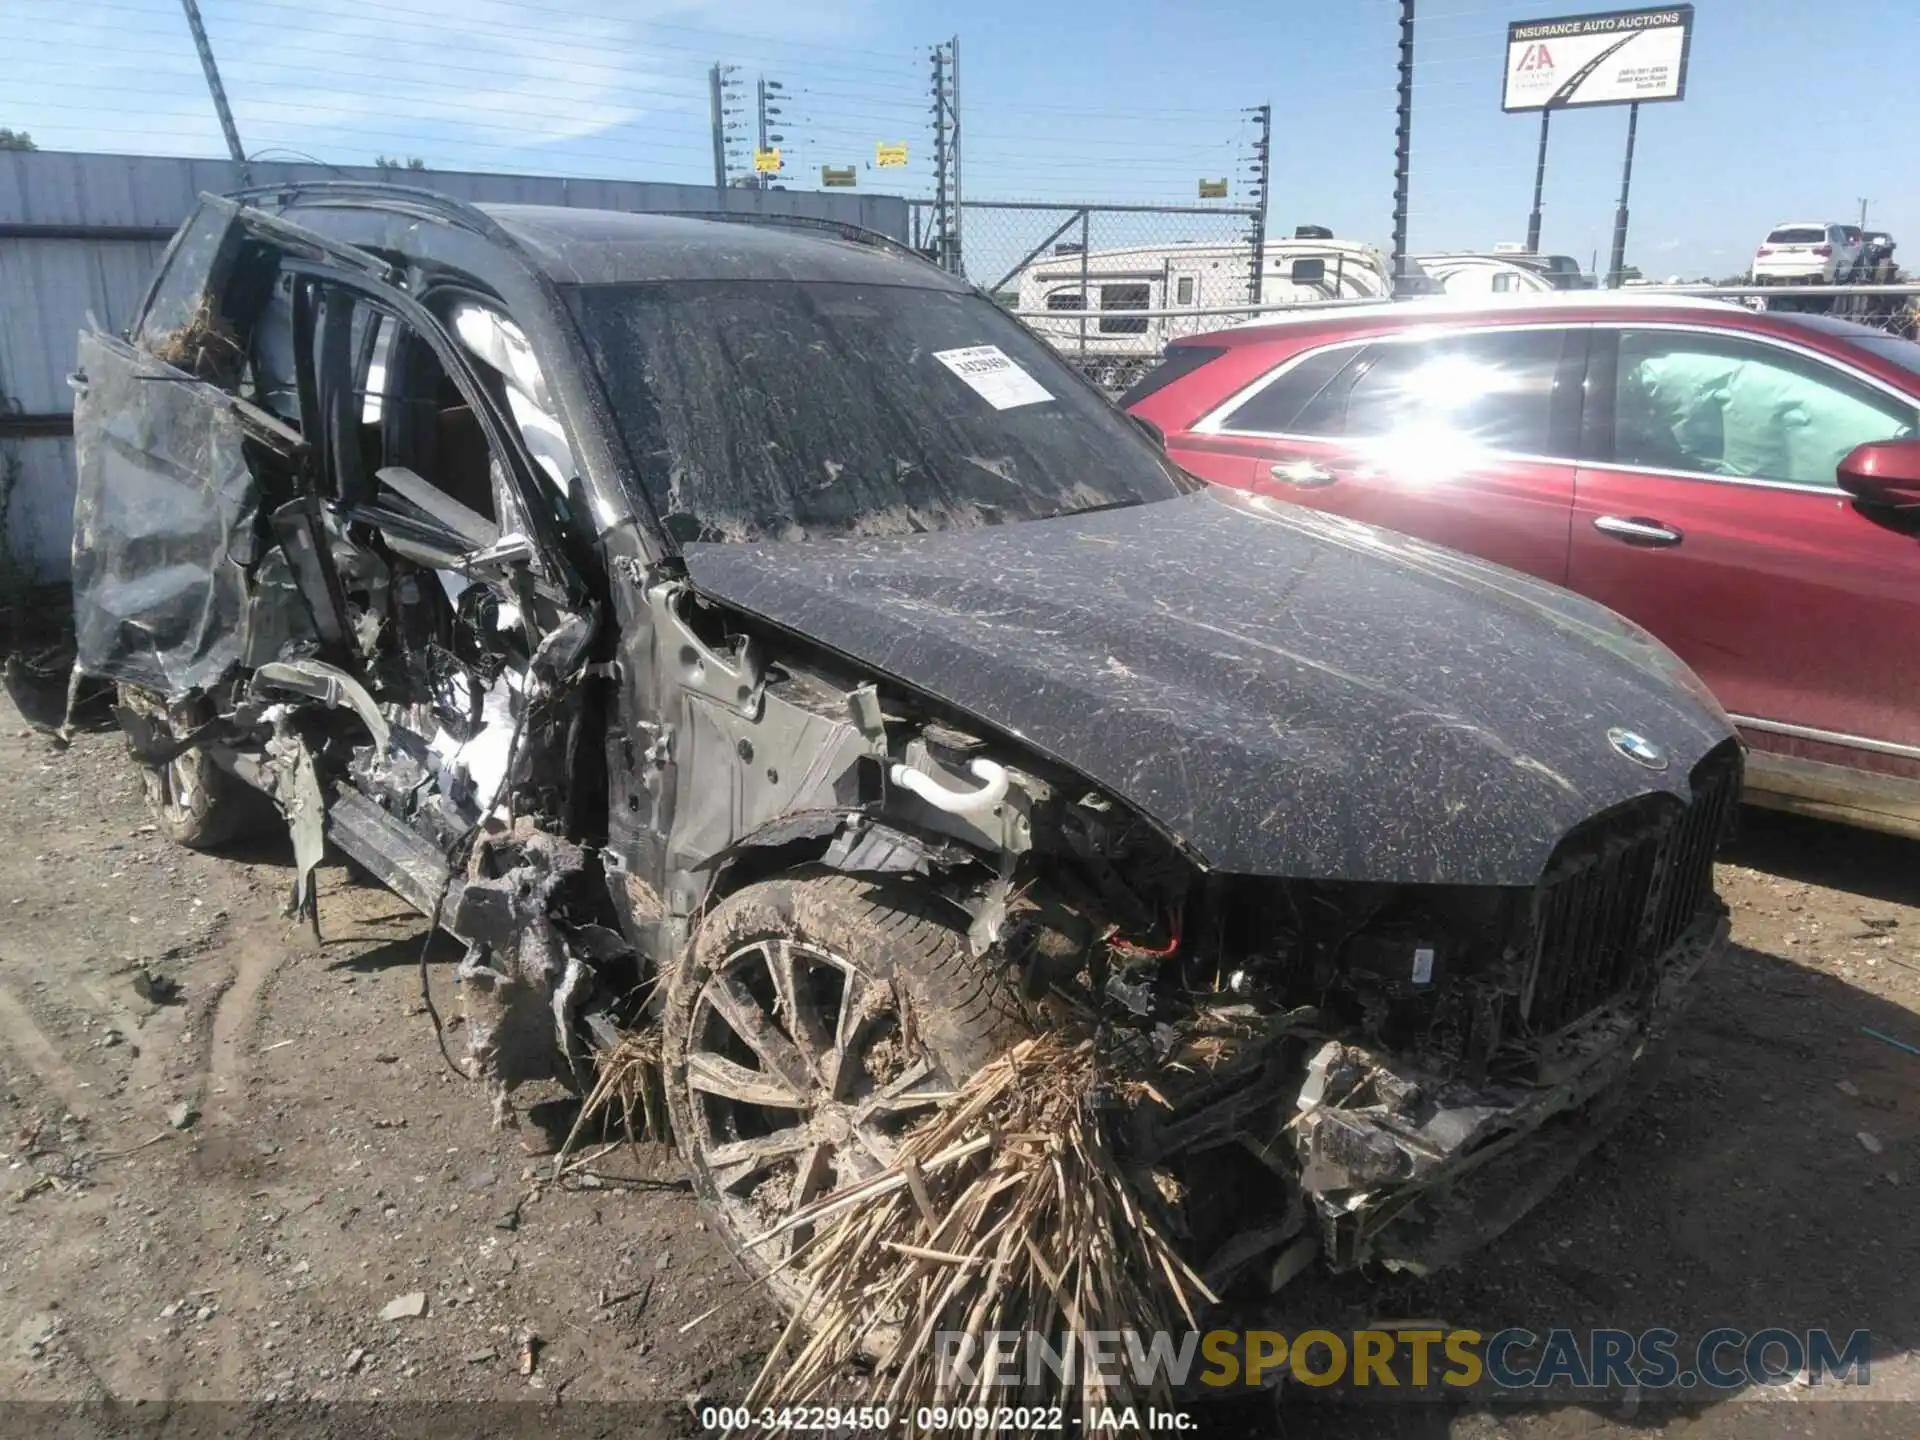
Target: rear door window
{"x":1493,"y":390}
{"x":1302,"y":400}
{"x":1726,"y":406}
{"x":1798,"y":235}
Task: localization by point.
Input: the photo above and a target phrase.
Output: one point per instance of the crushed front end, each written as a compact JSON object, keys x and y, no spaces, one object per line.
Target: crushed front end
{"x":1418,"y":1066}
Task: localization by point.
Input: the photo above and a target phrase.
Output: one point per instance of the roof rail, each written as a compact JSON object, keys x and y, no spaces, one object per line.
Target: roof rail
{"x":857,"y":234}
{"x":381,"y":195}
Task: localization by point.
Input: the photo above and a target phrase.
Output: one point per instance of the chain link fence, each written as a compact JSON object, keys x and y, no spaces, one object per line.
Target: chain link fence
{"x":1891,"y":304}
{"x":1109,"y":285}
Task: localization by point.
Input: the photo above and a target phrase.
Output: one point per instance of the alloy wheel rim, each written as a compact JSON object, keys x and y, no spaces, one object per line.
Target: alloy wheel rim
{"x":802,"y":1077}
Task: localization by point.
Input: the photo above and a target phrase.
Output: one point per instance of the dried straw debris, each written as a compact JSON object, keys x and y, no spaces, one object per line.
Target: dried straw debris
{"x":629,"y":1079}
{"x":1005,"y":1211}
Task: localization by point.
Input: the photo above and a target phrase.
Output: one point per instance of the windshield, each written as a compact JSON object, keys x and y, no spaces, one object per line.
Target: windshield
{"x":1798,"y":235}
{"x":783,"y":410}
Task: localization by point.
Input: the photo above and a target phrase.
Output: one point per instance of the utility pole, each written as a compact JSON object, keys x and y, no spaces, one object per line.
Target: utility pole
{"x":717,"y":107}
{"x":1863,"y":212}
{"x":213,"y":82}
{"x":1403,"y":149}
{"x":946,"y":156}
{"x":1616,"y":267}
{"x":1539,"y":183}
{"x":1263,"y":178}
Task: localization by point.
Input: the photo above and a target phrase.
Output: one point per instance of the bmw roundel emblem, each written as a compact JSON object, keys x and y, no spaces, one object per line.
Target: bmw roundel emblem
{"x":1637,"y":748}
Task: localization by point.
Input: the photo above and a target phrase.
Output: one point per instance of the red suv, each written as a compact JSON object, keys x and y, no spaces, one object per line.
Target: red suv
{"x":1743,"y":484}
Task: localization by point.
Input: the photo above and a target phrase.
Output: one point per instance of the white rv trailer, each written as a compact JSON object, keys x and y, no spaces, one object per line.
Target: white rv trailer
{"x":1082,"y":302}
{"x":1504,"y":272}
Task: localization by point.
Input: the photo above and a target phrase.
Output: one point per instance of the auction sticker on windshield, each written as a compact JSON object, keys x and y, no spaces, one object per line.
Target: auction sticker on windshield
{"x":991,"y":375}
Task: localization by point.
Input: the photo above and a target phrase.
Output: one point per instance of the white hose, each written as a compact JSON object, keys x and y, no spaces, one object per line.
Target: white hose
{"x":993,"y":789}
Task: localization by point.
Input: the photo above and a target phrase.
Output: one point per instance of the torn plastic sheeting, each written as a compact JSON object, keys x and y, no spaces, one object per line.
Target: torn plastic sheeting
{"x":164,"y":516}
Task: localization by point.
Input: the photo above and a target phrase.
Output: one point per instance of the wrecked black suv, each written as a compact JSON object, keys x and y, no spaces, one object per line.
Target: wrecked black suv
{"x":746,"y":634}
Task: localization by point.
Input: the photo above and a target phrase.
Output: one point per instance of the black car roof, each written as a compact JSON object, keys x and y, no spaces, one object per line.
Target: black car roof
{"x":577,"y":246}
{"x":614,"y":247}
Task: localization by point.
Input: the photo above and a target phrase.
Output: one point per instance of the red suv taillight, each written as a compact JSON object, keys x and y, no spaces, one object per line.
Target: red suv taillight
{"x":1764,"y":250}
{"x":1823,"y":251}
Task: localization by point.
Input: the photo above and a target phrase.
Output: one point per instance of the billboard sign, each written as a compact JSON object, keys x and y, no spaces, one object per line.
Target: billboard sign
{"x":1617,"y":58}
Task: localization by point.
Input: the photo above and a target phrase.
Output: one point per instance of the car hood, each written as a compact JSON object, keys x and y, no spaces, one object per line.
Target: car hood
{"x":1283,"y":691}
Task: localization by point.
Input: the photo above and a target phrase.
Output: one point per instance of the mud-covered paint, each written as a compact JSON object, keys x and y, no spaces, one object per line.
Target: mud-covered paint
{"x":1286,"y":692}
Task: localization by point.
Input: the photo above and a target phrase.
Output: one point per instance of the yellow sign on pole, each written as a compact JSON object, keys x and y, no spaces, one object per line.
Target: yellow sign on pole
{"x":837,"y":177}
{"x":890,"y":157}
{"x":767,"y":162}
{"x":1213,"y":189}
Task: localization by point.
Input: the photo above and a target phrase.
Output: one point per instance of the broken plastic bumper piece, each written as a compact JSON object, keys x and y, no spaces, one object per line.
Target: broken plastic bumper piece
{"x":1415,"y":1171}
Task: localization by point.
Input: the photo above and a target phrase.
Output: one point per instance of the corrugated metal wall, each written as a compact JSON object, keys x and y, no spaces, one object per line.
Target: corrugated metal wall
{"x":80,"y":235}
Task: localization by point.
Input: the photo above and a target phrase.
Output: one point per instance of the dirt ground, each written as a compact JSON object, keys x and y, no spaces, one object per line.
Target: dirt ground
{"x":328,"y":1163}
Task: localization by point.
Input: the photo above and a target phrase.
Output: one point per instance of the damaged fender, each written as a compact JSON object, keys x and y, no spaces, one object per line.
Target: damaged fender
{"x":522,"y":979}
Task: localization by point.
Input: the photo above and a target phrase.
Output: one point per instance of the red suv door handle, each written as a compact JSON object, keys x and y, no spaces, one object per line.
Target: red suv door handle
{"x":1307,"y":474}
{"x":1638,"y":530}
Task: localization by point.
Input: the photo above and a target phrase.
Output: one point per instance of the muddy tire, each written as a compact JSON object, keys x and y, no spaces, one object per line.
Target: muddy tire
{"x":193,"y":801}
{"x":813,"y":1022}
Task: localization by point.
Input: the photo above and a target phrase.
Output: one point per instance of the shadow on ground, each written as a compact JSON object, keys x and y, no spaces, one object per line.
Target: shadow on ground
{"x":1819,"y":852}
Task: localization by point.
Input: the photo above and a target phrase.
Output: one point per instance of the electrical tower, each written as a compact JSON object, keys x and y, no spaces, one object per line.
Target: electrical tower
{"x":1262,"y":168}
{"x":945,"y":237}
{"x":726,"y":105}
{"x":769,"y":90}
{"x":1403,"y":150}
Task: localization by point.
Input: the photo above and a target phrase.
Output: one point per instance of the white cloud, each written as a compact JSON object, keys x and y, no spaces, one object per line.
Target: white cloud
{"x":485,"y":84}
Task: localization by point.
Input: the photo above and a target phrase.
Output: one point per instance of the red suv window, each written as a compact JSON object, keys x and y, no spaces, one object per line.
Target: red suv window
{"x":1492,"y":387}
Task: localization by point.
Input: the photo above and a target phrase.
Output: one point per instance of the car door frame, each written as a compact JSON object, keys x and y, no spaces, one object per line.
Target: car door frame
{"x":317,"y":262}
{"x":503,"y":439}
{"x":1596,"y":437}
{"x":306,"y":253}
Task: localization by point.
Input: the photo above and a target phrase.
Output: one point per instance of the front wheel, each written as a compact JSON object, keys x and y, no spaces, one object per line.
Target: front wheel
{"x":193,"y":801}
{"x":816,"y":1020}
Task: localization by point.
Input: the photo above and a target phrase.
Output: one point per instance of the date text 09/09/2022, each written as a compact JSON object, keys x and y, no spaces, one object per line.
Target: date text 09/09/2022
{"x":935,"y":1419}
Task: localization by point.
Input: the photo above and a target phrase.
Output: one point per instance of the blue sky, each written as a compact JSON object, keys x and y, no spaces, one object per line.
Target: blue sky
{"x":1793,"y":112}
